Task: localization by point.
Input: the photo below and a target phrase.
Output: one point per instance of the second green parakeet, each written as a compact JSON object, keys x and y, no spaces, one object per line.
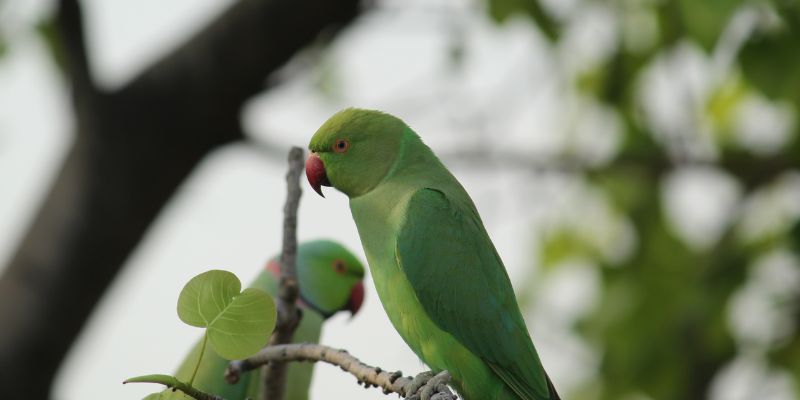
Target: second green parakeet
{"x":436,"y":271}
{"x":330,"y":280}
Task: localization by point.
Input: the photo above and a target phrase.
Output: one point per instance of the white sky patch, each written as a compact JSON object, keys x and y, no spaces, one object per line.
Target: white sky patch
{"x":35,"y":132}
{"x":571,"y":291}
{"x":672,"y":91}
{"x":597,"y":133}
{"x":700,"y":202}
{"x":18,"y":17}
{"x":748,"y":377}
{"x":563,"y":296}
{"x":590,"y":37}
{"x":762,"y":126}
{"x":770,"y":210}
{"x":585,"y":211}
{"x":125,"y":37}
{"x":562,"y":9}
{"x":760,"y":313}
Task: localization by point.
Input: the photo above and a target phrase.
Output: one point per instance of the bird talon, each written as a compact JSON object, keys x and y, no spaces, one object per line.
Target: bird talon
{"x":413,"y":387}
{"x":437,"y":386}
{"x":429,"y":386}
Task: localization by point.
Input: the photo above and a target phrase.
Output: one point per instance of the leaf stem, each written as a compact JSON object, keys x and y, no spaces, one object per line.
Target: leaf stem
{"x":199,"y":359}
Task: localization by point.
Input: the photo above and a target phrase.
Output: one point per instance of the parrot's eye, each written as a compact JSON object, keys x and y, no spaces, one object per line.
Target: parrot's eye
{"x":338,"y":266}
{"x":341,"y":146}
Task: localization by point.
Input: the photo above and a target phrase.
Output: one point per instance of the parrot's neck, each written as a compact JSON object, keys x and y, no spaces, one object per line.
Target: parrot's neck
{"x":415,"y":163}
{"x":417,"y":167}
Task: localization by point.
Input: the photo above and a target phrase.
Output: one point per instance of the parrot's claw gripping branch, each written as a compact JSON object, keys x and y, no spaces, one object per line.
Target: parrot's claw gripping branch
{"x":426,"y":386}
{"x":429,"y":386}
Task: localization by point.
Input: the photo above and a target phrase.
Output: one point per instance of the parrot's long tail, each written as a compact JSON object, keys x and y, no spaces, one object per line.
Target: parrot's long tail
{"x":551,"y":388}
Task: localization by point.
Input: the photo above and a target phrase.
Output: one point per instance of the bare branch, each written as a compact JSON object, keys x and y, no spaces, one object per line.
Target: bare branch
{"x":69,"y":22}
{"x":369,"y":376}
{"x":288,"y":314}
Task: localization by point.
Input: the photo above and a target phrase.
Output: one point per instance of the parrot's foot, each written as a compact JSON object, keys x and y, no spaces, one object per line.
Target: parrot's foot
{"x":429,"y":386}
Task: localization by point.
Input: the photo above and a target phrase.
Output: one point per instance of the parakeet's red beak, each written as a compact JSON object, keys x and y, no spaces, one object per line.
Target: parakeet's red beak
{"x":315,"y":172}
{"x":356,"y":298}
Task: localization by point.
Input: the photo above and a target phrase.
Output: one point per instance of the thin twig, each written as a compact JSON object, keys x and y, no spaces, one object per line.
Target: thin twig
{"x":288,"y":314}
{"x":369,"y":376}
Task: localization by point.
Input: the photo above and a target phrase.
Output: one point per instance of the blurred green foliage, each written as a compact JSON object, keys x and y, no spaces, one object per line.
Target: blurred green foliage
{"x":771,"y":58}
{"x":3,"y":46}
{"x":663,"y":323}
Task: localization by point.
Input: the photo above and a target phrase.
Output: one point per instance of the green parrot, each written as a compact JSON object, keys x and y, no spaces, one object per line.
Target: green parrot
{"x":436,"y":271}
{"x":330,"y":280}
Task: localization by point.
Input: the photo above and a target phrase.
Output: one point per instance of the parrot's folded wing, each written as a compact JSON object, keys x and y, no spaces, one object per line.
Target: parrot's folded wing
{"x":462,"y":285}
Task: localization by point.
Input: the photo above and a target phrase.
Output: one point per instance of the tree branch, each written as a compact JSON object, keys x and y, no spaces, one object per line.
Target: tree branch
{"x":69,"y":23}
{"x":288,"y":314}
{"x":369,"y":376}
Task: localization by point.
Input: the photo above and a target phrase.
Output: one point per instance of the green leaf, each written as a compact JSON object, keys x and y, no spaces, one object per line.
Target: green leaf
{"x":170,"y":382}
{"x":770,"y":59}
{"x":206,"y":296}
{"x":705,"y":20}
{"x":723,"y":105}
{"x":562,"y":244}
{"x":794,"y":236}
{"x":166,"y":380}
{"x":238,"y":324}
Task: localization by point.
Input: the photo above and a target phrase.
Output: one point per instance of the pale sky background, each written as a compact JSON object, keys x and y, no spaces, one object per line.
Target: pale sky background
{"x":228,"y":213}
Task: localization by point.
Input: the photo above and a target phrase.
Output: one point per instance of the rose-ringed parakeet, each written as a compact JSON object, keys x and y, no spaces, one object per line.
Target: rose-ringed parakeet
{"x":330,"y":279}
{"x":436,"y":271}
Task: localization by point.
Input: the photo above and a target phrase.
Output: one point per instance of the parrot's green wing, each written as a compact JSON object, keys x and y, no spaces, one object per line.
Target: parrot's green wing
{"x":462,"y":285}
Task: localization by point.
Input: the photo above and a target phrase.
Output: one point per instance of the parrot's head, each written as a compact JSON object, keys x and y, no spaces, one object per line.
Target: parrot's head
{"x":330,"y":277}
{"x":354,"y":150}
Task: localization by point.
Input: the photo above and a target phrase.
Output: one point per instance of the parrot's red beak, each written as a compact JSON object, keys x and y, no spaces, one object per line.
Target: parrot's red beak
{"x":315,"y":172}
{"x":356,"y":298}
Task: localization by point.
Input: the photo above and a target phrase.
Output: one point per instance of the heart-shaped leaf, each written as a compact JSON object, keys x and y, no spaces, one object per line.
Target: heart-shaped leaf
{"x":238,"y":323}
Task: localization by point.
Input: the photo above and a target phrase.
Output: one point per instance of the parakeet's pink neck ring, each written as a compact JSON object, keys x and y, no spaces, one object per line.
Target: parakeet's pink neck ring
{"x":315,"y":172}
